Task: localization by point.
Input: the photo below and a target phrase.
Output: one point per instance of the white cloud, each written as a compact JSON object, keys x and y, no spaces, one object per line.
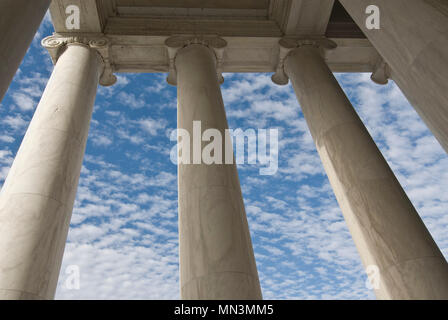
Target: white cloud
{"x":7,"y":138}
{"x":15,"y":122}
{"x":23,"y":101}
{"x":101,"y":140}
{"x":152,"y":126}
{"x":131,"y":100}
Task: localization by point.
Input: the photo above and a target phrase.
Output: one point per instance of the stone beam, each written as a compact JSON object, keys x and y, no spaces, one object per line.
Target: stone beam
{"x":137,"y":31}
{"x":137,"y":54}
{"x":302,"y":17}
{"x":93,"y":14}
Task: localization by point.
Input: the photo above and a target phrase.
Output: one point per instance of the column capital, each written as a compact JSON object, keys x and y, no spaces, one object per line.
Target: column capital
{"x":56,"y":45}
{"x":381,"y":72}
{"x":175,"y":43}
{"x":287,"y":45}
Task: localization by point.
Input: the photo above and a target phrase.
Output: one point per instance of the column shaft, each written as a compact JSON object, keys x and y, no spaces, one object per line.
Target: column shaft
{"x":216,"y":255}
{"x":19,"y":21}
{"x":37,"y":198}
{"x":413,"y":40}
{"x":386,"y":228}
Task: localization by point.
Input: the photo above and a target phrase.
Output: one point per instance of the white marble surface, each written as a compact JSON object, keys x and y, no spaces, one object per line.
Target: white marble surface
{"x":386,"y":228}
{"x":37,"y":198}
{"x":216,"y":255}
{"x":138,"y":36}
{"x":413,"y":40}
{"x":19,"y":21}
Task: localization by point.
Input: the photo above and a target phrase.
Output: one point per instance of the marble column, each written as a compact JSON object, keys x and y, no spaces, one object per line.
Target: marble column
{"x":19,"y":21}
{"x":37,"y":198}
{"x":413,"y":41}
{"x":216,"y":255}
{"x":386,"y":228}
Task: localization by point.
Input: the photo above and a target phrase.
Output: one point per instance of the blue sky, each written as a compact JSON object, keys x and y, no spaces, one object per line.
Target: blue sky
{"x":123,"y":233}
